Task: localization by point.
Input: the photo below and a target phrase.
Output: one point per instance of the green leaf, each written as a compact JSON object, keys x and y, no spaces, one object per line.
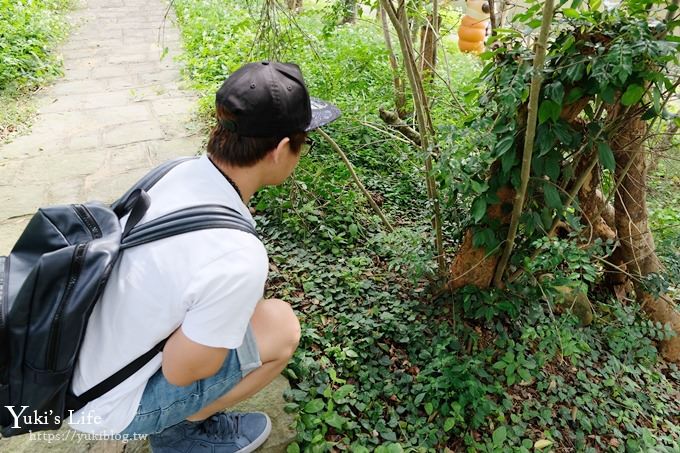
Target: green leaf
{"x":542,"y":443}
{"x":499,"y":436}
{"x":606,"y":156}
{"x":395,"y":448}
{"x":555,"y":91}
{"x":343,"y":391}
{"x":350,"y":353}
{"x":389,"y":435}
{"x":552,"y":165}
{"x":608,"y":94}
{"x":314,"y":406}
{"x":353,"y":229}
{"x":449,"y":423}
{"x":552,"y":196}
{"x":574,"y":95}
{"x":504,"y":144}
{"x":479,"y":187}
{"x":632,"y":95}
{"x":574,"y":72}
{"x":548,"y":110}
{"x":571,"y":13}
{"x":335,"y":420}
{"x":429,"y":408}
{"x":478,"y":208}
{"x":293,"y":448}
{"x":507,"y":161}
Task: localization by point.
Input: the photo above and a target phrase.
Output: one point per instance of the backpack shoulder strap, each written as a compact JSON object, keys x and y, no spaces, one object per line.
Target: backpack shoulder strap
{"x":183,"y":221}
{"x":148,"y":181}
{"x":75,"y":403}
{"x":186,"y":220}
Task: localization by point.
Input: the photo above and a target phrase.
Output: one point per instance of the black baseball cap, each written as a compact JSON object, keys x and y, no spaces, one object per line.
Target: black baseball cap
{"x":270,"y":99}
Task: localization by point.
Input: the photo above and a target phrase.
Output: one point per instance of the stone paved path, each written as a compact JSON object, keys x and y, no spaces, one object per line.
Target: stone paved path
{"x":119,"y":110}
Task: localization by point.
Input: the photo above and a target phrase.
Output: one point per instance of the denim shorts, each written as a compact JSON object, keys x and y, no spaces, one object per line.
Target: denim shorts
{"x":164,"y":405}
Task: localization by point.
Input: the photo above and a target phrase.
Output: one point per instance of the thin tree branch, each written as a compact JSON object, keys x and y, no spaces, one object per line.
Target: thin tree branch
{"x":358,"y":182}
{"x":400,"y":22}
{"x":532,"y":115}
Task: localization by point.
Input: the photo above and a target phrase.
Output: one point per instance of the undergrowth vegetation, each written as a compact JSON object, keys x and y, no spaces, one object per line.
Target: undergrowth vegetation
{"x":387,"y":362}
{"x":29,"y":30}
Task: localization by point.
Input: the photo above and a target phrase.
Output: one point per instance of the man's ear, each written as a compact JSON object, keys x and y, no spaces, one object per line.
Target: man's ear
{"x":278,"y":153}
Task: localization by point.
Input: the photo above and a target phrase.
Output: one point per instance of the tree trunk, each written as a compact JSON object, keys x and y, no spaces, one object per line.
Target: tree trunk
{"x":474,"y":265}
{"x":636,"y":244}
{"x":592,"y":205}
{"x":350,"y":13}
{"x":428,"y":48}
{"x":397,"y":81}
{"x":294,"y":5}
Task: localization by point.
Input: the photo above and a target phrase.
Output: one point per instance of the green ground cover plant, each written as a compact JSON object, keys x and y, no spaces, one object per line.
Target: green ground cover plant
{"x":388,"y":363}
{"x":29,"y":30}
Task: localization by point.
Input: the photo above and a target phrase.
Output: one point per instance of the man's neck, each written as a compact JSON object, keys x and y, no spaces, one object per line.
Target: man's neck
{"x":246,"y":179}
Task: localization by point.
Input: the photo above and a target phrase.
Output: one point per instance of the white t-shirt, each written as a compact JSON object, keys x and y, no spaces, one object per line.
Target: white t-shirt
{"x":206,"y":281}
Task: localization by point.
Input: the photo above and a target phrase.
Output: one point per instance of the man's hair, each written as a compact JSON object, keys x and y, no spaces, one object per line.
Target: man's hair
{"x":231,"y":148}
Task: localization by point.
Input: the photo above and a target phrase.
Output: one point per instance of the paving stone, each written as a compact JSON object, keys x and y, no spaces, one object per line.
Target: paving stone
{"x":125,"y":82}
{"x":76,"y":74}
{"x":54,"y":104}
{"x":169,"y":149}
{"x":84,"y":86}
{"x":133,"y":58}
{"x":87,"y":140}
{"x":11,"y":231}
{"x":108,"y":71}
{"x":71,"y":123}
{"x":31,"y":145}
{"x":84,"y":63}
{"x":65,"y":191}
{"x":132,"y":132}
{"x":9,"y":168}
{"x":150,"y":66}
{"x":167,"y":75}
{"x":21,"y":201}
{"x":174,"y":106}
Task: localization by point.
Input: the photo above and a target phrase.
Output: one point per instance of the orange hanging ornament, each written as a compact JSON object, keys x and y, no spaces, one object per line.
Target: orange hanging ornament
{"x":472,"y":30}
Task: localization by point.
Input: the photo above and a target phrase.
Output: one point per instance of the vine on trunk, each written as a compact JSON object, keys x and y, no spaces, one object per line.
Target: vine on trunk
{"x":607,"y":75}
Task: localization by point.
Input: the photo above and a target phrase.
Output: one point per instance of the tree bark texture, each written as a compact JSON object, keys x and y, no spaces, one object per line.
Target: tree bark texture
{"x":294,"y":5}
{"x":636,"y":244}
{"x":350,"y":13}
{"x":397,"y":81}
{"x":428,"y":48}
{"x":592,"y":205}
{"x":474,"y":265}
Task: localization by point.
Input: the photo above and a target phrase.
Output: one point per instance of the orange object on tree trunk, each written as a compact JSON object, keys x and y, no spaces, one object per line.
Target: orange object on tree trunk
{"x":472,"y":30}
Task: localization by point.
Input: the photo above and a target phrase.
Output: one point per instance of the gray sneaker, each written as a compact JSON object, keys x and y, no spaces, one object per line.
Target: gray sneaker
{"x":226,"y":432}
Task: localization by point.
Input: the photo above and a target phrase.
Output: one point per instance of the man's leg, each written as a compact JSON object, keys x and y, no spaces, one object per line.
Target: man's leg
{"x":277,"y":333}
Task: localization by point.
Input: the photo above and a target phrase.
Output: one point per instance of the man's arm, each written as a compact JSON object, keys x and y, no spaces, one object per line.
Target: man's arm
{"x":185,"y":361}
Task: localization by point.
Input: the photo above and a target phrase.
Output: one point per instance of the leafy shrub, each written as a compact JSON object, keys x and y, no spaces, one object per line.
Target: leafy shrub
{"x":28,"y":31}
{"x":383,"y":365}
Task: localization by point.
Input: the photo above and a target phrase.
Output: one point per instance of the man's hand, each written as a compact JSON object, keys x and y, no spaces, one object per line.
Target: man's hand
{"x":185,"y":361}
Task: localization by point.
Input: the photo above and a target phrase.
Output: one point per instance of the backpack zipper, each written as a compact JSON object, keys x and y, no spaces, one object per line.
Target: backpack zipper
{"x":88,"y":219}
{"x":74,"y":273}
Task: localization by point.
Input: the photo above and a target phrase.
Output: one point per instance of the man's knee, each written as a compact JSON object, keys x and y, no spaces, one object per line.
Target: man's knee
{"x":285,"y":324}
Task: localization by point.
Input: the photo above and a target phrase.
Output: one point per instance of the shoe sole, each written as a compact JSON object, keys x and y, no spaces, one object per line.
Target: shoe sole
{"x":261,"y":439}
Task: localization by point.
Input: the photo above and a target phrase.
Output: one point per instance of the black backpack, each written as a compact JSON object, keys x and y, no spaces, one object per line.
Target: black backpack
{"x":49,"y":284}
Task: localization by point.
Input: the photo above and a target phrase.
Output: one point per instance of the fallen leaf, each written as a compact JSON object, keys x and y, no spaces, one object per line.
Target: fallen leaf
{"x":541,"y":444}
